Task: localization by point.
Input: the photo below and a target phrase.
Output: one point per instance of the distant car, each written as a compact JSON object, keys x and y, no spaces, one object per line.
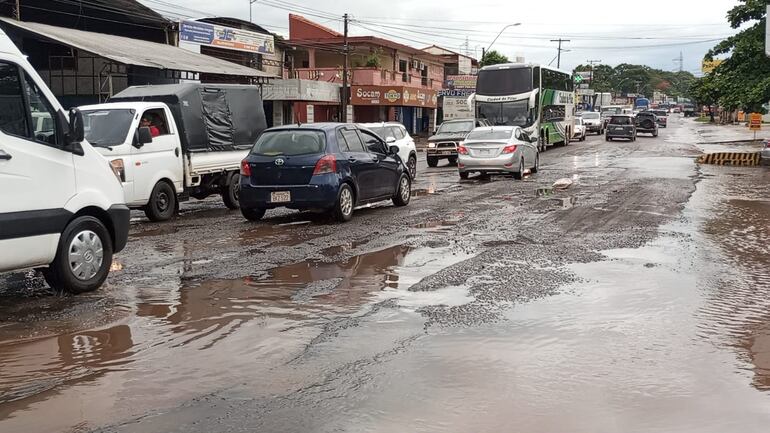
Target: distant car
{"x":394,"y":133}
{"x":646,"y":122}
{"x":443,"y":144}
{"x":662,"y":117}
{"x":676,"y":110}
{"x":498,"y":149}
{"x":331,"y":167}
{"x":593,"y":122}
{"x":580,"y":129}
{"x":621,"y":126}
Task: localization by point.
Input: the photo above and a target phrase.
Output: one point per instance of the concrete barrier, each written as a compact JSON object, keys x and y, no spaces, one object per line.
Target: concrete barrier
{"x":730,"y":158}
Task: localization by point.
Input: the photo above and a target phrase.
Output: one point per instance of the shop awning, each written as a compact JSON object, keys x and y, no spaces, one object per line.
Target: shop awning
{"x":135,"y":52}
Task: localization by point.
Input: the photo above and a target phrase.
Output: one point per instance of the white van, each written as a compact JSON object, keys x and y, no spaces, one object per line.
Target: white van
{"x":61,"y":205}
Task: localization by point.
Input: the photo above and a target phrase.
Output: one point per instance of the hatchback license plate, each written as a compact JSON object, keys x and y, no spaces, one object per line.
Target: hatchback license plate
{"x":280,"y":196}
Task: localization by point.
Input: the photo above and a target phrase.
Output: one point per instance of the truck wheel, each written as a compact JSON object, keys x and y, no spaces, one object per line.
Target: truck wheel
{"x":230,"y":192}
{"x":162,"y":205}
{"x":253,"y":214}
{"x":432,"y":161}
{"x":452,"y":160}
{"x":83,"y":257}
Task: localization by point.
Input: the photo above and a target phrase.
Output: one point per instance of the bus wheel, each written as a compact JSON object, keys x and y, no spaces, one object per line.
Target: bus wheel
{"x":541,"y":143}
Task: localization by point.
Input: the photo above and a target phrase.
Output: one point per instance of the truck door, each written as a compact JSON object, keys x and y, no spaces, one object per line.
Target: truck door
{"x":162,"y":158}
{"x":37,"y":177}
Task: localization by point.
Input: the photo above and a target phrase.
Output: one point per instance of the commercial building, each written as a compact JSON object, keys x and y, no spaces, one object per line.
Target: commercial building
{"x":389,"y":81}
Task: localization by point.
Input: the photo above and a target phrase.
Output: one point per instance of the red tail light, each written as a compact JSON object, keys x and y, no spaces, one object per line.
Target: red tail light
{"x":326,"y":165}
{"x":245,"y":168}
{"x":462,"y":150}
{"x":510,"y":149}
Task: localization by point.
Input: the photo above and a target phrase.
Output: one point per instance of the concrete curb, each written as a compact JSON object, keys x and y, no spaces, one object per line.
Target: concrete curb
{"x":730,"y":158}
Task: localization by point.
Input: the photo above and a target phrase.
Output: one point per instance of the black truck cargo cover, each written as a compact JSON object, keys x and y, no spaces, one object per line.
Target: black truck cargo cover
{"x":210,"y":117}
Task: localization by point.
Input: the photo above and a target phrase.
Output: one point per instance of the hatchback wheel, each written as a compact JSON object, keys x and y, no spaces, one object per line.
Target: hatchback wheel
{"x":253,"y":214}
{"x":404,"y":191}
{"x":343,"y":209}
{"x":464,"y":175}
{"x":412,"y":166}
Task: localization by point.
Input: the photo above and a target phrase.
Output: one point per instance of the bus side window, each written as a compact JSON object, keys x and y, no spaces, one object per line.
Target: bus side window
{"x":536,"y":77}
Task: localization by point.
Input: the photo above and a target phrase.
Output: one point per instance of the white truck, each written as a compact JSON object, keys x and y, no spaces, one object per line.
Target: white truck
{"x":172,"y":142}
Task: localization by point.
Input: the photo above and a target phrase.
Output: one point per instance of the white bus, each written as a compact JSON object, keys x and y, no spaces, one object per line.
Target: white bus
{"x":537,"y":98}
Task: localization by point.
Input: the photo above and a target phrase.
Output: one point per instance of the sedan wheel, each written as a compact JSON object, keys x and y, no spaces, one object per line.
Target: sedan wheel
{"x":520,"y":174}
{"x":536,"y":168}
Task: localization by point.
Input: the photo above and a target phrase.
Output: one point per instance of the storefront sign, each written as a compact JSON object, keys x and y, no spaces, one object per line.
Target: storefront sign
{"x":467,"y":82}
{"x":456,"y":108}
{"x":396,"y":95}
{"x":200,"y":33}
{"x":302,"y":90}
{"x":457,"y":93}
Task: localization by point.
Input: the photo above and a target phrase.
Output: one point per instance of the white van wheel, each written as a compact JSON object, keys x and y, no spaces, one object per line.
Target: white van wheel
{"x":83,"y":257}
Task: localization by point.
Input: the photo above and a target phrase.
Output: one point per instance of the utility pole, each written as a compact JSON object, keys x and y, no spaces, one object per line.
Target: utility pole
{"x":346,"y":50}
{"x":680,"y":60}
{"x":591,"y":77}
{"x":251,"y":3}
{"x":17,"y":12}
{"x":558,"y":55}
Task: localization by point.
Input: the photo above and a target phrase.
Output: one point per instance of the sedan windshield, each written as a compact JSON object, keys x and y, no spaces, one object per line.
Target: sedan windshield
{"x":455,"y":127}
{"x":487,"y":134}
{"x":107,"y":127}
{"x":289,"y":143}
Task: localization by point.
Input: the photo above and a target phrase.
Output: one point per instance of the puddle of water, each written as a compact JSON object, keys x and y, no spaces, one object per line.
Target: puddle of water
{"x":422,"y":192}
{"x":226,"y":331}
{"x":544,"y":192}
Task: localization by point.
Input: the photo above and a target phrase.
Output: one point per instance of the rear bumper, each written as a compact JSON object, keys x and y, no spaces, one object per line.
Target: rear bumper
{"x":312,"y":196}
{"x":620,"y":134}
{"x":593,"y":128}
{"x":120,"y":216}
{"x":646,"y":131}
{"x":501,"y":164}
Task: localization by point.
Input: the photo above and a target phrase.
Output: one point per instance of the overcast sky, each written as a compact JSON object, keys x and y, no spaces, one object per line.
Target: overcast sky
{"x":650,"y":32}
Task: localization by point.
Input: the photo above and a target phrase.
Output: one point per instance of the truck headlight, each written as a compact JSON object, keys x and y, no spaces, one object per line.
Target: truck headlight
{"x":118,"y":169}
{"x":431,"y":145}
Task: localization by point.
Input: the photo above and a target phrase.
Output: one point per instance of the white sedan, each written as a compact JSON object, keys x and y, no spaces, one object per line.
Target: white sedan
{"x":580,"y":129}
{"x":395,"y":134}
{"x":498,"y":149}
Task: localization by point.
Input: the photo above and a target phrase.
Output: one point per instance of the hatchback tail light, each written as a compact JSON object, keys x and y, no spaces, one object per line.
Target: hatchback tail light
{"x":245,"y":168}
{"x":325,"y":165}
{"x":510,"y":149}
{"x":462,"y":150}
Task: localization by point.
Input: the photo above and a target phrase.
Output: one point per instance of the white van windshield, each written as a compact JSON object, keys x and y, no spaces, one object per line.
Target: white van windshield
{"x":107,"y":127}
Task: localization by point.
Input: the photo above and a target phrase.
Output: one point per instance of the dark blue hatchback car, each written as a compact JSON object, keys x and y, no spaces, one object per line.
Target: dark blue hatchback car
{"x":331,"y":167}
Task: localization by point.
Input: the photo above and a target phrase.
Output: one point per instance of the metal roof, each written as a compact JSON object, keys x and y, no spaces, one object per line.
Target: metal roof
{"x":135,"y":52}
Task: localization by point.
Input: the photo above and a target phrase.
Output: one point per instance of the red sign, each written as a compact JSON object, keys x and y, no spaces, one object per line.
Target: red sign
{"x":393,"y":95}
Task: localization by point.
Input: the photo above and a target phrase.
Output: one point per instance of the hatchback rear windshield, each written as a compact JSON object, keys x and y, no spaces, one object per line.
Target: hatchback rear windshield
{"x":490,"y":135}
{"x":659,"y":112}
{"x":620,"y":120}
{"x":289,"y":142}
{"x":590,"y":115}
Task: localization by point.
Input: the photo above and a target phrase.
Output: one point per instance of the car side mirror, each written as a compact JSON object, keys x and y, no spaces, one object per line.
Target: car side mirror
{"x":393,"y":149}
{"x":533,"y":139}
{"x":77,"y":132}
{"x":390,"y":140}
{"x":72,"y":131}
{"x":144,"y":136}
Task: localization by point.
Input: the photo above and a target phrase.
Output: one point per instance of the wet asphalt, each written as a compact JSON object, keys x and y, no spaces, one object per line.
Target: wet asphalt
{"x":635,"y":300}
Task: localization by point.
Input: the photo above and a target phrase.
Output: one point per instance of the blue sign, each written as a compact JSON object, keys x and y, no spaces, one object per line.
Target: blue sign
{"x":199,"y":33}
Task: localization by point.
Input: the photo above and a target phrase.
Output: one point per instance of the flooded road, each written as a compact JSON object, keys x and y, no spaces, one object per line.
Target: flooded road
{"x":638,"y":299}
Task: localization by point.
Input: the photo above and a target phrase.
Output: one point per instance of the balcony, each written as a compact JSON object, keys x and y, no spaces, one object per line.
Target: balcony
{"x":367,"y":77}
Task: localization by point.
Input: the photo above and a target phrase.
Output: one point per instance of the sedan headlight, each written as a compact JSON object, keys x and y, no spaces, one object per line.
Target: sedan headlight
{"x":431,"y":145}
{"x":118,"y":169}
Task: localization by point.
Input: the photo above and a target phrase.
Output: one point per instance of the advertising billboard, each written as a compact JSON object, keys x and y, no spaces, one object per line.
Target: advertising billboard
{"x":214,"y":35}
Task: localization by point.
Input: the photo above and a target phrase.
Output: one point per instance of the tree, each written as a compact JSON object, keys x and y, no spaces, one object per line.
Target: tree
{"x":706,"y":92}
{"x":628,"y":78}
{"x":742,"y":80}
{"x":493,"y":58}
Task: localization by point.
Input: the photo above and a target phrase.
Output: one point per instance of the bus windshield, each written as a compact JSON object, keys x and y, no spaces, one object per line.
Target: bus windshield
{"x":515,"y":113}
{"x":498,"y":82}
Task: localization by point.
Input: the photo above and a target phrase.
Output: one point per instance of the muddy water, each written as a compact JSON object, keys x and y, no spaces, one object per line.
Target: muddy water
{"x":177,"y":343}
{"x":670,"y":337}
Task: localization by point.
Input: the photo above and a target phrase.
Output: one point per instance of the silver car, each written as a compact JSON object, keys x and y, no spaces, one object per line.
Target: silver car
{"x":498,"y":149}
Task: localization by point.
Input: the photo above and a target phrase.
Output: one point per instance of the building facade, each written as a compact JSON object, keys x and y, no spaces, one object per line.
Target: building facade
{"x":388,"y":81}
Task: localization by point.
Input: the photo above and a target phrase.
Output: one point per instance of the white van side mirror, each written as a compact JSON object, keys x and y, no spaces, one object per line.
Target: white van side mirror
{"x":73,"y":131}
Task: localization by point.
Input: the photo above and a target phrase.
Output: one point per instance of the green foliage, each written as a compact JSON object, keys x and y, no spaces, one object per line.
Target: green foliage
{"x":374,"y":59}
{"x":628,"y":78}
{"x":742,"y":81}
{"x":493,"y":58}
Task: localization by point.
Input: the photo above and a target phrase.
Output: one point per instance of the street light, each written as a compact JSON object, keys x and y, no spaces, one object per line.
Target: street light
{"x":484,"y":51}
{"x":251,"y":2}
